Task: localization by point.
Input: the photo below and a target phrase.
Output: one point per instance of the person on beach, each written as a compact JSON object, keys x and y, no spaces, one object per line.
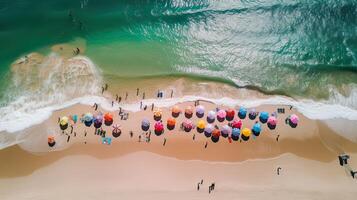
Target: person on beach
{"x":278,"y":170}
{"x":144,"y":95}
{"x":112,"y":103}
{"x":106,"y":87}
{"x":172,"y":93}
{"x":206,"y":145}
{"x":119,"y":110}
{"x":141,"y":105}
{"x":68,"y":138}
{"x":116,"y":97}
{"x":145,"y":107}
{"x":194,"y":136}
{"x":75,"y":134}
{"x":164,"y":142}
{"x":201,"y":181}
{"x":119,"y":99}
{"x":291,"y":107}
{"x":131,"y":134}
{"x":59,"y":119}
{"x":103,"y":89}
{"x":137,"y":91}
{"x":152,"y":106}
{"x":85,"y":133}
{"x":139,"y":138}
{"x":198,"y":186}
{"x":277,"y":138}
{"x":126,"y":95}
{"x":353,"y":173}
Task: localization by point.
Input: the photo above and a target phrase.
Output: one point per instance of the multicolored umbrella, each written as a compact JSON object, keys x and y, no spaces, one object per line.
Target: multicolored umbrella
{"x":246,"y":132}
{"x":145,"y":125}
{"x":116,"y":130}
{"x":256,"y":129}
{"x":176,"y":111}
{"x":237,"y":123}
{"x":200,"y":111}
{"x":263,"y":117}
{"x":63,"y":123}
{"x":225,"y":131}
{"x":235,"y":134}
{"x":242,"y":113}
{"x":272,"y":121}
{"x":208,"y":130}
{"x":221,"y":115}
{"x":211,"y":116}
{"x":108,"y":119}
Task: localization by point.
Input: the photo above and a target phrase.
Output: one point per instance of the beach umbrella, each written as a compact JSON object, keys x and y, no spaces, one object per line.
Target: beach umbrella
{"x":208,"y":130}
{"x":293,"y":120}
{"x":51,"y":141}
{"x":188,"y":112}
{"x":246,"y":132}
{"x":74,"y":118}
{"x":145,"y":124}
{"x":242,"y":113}
{"x":211,"y":116}
{"x":252,"y":114}
{"x":201,"y":125}
{"x":257,"y":128}
{"x":108,"y":119}
{"x":235,"y":134}
{"x":63,"y":123}
{"x":221,"y":115}
{"x":200,"y":111}
{"x":272,"y":121}
{"x":171,"y":123}
{"x":230,"y":114}
{"x":159,"y":128}
{"x":88,"y":119}
{"x":187,"y":125}
{"x":175,"y":111}
{"x":237,"y":123}
{"x":116,"y":131}
{"x":157,"y":114}
{"x":215,"y":135}
{"x":98,"y":121}
{"x":225,"y":131}
{"x":263,"y":117}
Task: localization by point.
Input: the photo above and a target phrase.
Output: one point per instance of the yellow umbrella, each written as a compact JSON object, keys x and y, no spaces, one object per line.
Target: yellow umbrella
{"x":201,"y":124}
{"x":64,"y":121}
{"x":246,"y":132}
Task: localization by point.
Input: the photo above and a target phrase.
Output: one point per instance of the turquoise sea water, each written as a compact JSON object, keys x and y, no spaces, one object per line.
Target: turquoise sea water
{"x":301,"y":48}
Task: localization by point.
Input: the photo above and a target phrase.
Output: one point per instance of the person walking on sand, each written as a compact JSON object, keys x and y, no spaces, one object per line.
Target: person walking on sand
{"x":206,"y":145}
{"x":172,"y":93}
{"x":198,"y":186}
{"x":106,"y":87}
{"x":164,"y":142}
{"x":112,"y":103}
{"x":141,"y":105}
{"x":139,"y":138}
{"x":103,"y":89}
{"x":152,"y":107}
{"x":144,"y":95}
{"x":201,"y":181}
{"x":277,"y":138}
{"x":119,"y":99}
{"x":85,"y":133}
{"x":131,"y":134}
{"x":137,"y":91}
{"x":126,"y":95}
{"x":68,"y":138}
{"x":194,"y":136}
{"x":278,"y":170}
{"x":116,"y":97}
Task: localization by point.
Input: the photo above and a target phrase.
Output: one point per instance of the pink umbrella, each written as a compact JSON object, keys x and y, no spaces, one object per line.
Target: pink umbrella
{"x":237,"y":123}
{"x":272,"y":120}
{"x":294,"y":119}
{"x":221,"y":114}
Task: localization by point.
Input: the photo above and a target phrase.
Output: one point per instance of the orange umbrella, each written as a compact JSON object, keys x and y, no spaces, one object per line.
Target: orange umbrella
{"x":108,"y":119}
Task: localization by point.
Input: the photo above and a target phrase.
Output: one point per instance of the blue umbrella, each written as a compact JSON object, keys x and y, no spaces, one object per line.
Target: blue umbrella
{"x":235,"y":134}
{"x":257,"y":128}
{"x":264,"y":117}
{"x":242,"y":113}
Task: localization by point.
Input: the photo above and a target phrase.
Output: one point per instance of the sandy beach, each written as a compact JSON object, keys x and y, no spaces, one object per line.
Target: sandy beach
{"x":130,"y":168}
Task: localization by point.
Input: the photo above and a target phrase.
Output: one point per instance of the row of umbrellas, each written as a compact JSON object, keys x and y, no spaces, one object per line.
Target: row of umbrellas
{"x":88,"y":119}
{"x":228,"y":115}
